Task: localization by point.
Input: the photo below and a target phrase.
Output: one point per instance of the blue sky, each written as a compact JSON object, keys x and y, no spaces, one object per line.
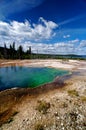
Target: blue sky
{"x":48,"y":26}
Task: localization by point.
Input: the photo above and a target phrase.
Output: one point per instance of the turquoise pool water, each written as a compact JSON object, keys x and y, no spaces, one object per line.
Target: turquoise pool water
{"x":16,"y":76}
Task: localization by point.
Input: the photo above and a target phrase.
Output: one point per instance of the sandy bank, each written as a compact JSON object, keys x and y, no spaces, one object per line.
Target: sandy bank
{"x":67,"y":64}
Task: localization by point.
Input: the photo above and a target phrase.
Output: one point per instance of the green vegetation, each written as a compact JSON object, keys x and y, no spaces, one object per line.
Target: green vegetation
{"x":43,"y":106}
{"x":1,"y":56}
{"x":15,"y":113}
{"x":10,"y":120}
{"x":73,"y":92}
{"x":12,"y":53}
{"x":39,"y":127}
{"x":83,"y":98}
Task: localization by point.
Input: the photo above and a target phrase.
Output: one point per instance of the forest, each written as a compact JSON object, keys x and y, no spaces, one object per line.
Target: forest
{"x":13,"y":53}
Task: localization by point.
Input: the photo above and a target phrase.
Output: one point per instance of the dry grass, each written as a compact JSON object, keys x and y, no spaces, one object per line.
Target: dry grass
{"x":39,"y":126}
{"x":73,"y":92}
{"x":43,"y":106}
{"x":83,"y":98}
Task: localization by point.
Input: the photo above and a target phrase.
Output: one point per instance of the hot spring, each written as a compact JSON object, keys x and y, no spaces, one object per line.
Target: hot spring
{"x":27,"y":77}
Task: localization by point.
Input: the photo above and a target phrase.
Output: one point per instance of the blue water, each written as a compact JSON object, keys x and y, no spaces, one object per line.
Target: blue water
{"x":25,"y":77}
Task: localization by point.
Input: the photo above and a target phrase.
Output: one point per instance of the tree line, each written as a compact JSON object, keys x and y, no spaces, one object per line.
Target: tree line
{"x":13,"y":53}
{"x":19,"y":53}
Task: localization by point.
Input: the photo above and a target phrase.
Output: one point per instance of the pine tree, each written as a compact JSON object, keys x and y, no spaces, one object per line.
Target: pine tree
{"x":13,"y":46}
{"x":13,"y":50}
{"x":20,"y":52}
{"x":29,"y":51}
{"x":5,"y":51}
{"x":10,"y":53}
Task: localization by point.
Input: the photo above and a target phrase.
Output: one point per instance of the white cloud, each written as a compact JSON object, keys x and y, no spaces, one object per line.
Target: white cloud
{"x":25,"y":31}
{"x":66,"y":36}
{"x":55,"y":48}
{"x":83,"y":44}
{"x":30,"y":34}
{"x":74,"y":41}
